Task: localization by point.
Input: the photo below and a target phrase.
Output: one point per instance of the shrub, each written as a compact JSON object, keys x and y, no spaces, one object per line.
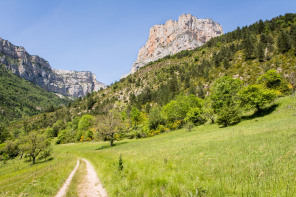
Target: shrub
{"x":195,"y":116}
{"x":273,"y":80}
{"x":228,"y":116}
{"x":189,"y":126}
{"x":255,"y":96}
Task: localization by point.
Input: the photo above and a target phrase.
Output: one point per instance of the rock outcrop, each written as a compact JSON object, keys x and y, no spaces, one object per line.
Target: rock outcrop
{"x":37,"y":70}
{"x":188,"y":32}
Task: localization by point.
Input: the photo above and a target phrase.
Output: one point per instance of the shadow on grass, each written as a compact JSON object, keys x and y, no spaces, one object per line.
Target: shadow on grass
{"x":108,"y":146}
{"x":261,"y":113}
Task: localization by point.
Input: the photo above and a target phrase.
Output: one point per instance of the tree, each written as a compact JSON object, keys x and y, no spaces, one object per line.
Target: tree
{"x":33,"y":144}
{"x":177,"y":109}
{"x":260,"y":51}
{"x":4,"y":134}
{"x":136,"y":116}
{"x":155,"y":118}
{"x":292,"y":81}
{"x":207,"y":109}
{"x":228,"y":115}
{"x":195,"y":115}
{"x":11,"y":148}
{"x":255,"y":96}
{"x":293,"y":35}
{"x":224,"y":100}
{"x":273,"y":80}
{"x":110,"y":125}
{"x":283,"y":42}
{"x":58,"y":126}
{"x":249,"y":47}
{"x":224,"y":92}
{"x":85,"y":122}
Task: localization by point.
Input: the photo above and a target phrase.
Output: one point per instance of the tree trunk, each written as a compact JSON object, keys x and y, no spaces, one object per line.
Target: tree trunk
{"x":111,"y":142}
{"x":33,"y":160}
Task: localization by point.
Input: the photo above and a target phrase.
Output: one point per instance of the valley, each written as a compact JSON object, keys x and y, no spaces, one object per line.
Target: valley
{"x":216,"y":118}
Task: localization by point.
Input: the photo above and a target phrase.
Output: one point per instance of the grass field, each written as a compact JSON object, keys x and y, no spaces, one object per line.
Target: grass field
{"x":19,"y":178}
{"x":253,"y":158}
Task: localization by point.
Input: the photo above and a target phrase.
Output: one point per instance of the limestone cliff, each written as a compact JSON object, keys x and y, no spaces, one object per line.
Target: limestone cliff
{"x":37,"y":70}
{"x":188,"y":32}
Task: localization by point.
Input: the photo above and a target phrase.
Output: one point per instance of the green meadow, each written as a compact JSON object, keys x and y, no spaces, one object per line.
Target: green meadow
{"x":253,"y":158}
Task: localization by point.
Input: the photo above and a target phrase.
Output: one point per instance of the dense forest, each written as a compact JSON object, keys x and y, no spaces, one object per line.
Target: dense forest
{"x":21,"y":98}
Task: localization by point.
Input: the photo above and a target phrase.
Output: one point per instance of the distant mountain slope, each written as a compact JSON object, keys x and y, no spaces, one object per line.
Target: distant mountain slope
{"x":172,"y":37}
{"x":38,"y":71}
{"x":19,"y":97}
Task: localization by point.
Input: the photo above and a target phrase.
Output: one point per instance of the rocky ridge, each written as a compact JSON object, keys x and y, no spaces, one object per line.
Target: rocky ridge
{"x":172,"y":37}
{"x":37,"y":70}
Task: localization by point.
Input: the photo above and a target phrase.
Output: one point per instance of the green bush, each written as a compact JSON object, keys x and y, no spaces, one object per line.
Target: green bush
{"x":195,"y":116}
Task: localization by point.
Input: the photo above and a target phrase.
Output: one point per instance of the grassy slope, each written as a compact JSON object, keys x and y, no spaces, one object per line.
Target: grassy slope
{"x":50,"y":177}
{"x":20,"y":97}
{"x":254,"y":158}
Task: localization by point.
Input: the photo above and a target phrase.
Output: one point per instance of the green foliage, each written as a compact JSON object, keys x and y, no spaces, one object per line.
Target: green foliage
{"x":19,"y":97}
{"x":189,"y":126}
{"x":136,"y":116}
{"x":110,"y":126}
{"x":56,"y":127}
{"x":50,"y":132}
{"x":255,"y":96}
{"x":228,"y":115}
{"x":177,"y":109}
{"x":33,"y":144}
{"x":155,"y":118}
{"x":249,"y":47}
{"x":11,"y":148}
{"x":120,"y":163}
{"x":224,"y":100}
{"x":224,"y":92}
{"x":195,"y":115}
{"x":85,"y":122}
{"x":283,"y":42}
{"x":4,"y":134}
{"x":273,"y":80}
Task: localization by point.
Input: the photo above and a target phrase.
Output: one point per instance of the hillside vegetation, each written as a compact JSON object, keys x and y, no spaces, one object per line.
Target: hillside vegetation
{"x":230,"y":96}
{"x":20,"y":98}
{"x":143,"y":100}
{"x":253,"y":158}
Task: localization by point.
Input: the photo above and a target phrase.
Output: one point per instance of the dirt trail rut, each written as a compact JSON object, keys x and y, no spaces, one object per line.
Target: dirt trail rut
{"x":62,"y":192}
{"x":90,"y":186}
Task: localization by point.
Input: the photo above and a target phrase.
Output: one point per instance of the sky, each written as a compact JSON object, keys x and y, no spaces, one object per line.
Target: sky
{"x":104,"y":36}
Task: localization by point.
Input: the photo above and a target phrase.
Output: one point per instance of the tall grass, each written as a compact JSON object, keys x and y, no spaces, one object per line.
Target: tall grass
{"x":19,"y":178}
{"x":253,"y":158}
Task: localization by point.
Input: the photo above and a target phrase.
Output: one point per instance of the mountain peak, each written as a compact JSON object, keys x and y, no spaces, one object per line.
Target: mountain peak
{"x":172,"y":37}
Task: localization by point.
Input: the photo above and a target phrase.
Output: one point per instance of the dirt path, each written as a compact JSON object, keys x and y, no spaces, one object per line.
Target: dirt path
{"x":91,"y":185}
{"x":62,"y":192}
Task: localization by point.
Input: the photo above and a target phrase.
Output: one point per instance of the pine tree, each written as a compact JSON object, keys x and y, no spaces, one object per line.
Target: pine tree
{"x":248,"y":46}
{"x":293,"y":35}
{"x":283,"y":42}
{"x":260,"y":51}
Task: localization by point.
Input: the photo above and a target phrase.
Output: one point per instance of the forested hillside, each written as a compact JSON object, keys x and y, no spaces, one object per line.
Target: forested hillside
{"x":211,"y":84}
{"x":20,"y":98}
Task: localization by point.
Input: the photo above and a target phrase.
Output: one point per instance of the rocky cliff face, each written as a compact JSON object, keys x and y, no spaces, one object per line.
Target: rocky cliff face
{"x":188,"y":32}
{"x":38,"y":71}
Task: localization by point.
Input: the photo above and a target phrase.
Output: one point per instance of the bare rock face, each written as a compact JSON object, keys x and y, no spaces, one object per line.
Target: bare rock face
{"x":37,"y":70}
{"x":188,"y":32}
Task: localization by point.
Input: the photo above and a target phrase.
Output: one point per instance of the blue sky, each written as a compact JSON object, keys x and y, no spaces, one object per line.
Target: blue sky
{"x":105,"y":36}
